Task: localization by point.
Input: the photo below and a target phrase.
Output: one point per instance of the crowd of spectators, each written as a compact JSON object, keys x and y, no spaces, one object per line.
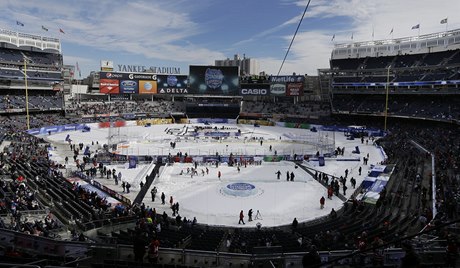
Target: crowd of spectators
{"x":123,"y":107}
{"x":303,"y":109}
{"x":442,"y":141}
{"x":36,"y":102}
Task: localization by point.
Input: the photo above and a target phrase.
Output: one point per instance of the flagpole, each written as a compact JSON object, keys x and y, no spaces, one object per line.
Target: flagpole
{"x":27,"y":93}
{"x":386,"y":98}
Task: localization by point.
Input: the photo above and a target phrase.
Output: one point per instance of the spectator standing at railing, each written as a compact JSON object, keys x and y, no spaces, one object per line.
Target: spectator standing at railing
{"x":154,"y":247}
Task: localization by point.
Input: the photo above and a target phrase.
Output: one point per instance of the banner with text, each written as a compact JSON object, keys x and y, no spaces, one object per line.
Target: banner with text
{"x":109,"y":86}
{"x":127,"y":83}
{"x":172,"y":84}
{"x":286,"y":85}
{"x":255,"y":89}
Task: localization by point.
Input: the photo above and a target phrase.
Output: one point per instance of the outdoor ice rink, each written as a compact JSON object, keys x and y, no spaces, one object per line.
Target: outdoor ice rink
{"x":217,"y":201}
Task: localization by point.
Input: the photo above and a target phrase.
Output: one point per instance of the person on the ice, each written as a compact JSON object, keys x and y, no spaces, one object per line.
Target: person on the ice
{"x":330,"y":192}
{"x":219,"y":174}
{"x":278,"y":174}
{"x":321,"y":202}
{"x":163,"y":197}
{"x":250,"y":215}
{"x":153,"y":192}
{"x":292,"y":176}
{"x":353,"y":182}
{"x":241,"y":217}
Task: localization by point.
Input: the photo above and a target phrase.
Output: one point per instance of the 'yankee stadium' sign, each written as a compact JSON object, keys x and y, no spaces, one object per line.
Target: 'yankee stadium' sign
{"x":152,"y":69}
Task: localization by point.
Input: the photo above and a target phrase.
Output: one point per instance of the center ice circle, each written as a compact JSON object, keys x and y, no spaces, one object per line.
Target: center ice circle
{"x":240,"y":189}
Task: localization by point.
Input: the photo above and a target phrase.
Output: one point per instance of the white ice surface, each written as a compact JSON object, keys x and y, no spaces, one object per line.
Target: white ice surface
{"x":278,"y":201}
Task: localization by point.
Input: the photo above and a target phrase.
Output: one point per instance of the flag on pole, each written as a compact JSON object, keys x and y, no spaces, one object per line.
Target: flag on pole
{"x":19,"y":23}
{"x":61,"y":31}
{"x":444,"y":21}
{"x":416,"y":26}
{"x":333,"y":37}
{"x":391,"y":30}
{"x":44,"y":28}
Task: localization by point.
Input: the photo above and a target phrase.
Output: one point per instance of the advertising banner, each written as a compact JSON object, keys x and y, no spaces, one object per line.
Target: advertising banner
{"x":255,"y":122}
{"x":109,"y":86}
{"x":278,"y":89}
{"x":127,"y":76}
{"x":283,"y":79}
{"x":172,"y":84}
{"x":214,"y":80}
{"x":129,"y":86}
{"x":147,"y":87}
{"x":278,"y":85}
{"x":255,"y":89}
{"x":294,"y":89}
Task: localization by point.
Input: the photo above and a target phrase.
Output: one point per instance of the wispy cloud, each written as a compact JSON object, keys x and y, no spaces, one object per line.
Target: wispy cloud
{"x":176,"y":31}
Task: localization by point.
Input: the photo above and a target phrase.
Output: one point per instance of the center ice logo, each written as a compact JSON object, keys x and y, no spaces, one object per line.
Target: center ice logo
{"x":213,"y":78}
{"x":241,"y":186}
{"x":240,"y":189}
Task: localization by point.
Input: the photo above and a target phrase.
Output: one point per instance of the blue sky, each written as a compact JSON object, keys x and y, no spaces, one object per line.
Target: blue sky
{"x":182,"y":33}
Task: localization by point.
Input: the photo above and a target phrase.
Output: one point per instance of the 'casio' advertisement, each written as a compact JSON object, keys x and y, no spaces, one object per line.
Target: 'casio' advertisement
{"x":255,"y":89}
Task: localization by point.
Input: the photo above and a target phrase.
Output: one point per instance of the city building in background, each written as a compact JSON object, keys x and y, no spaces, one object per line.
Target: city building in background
{"x":247,"y":66}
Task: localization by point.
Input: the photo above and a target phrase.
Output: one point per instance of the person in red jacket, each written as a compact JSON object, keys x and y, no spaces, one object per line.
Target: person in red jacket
{"x":330,"y":192}
{"x":241,"y":217}
{"x":153,"y":251}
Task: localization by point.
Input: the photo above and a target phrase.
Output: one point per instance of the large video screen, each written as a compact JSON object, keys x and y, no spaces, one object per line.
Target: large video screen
{"x":213,"y":80}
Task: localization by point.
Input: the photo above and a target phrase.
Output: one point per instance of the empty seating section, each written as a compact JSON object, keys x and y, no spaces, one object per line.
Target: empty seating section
{"x":39,"y":66}
{"x":346,"y":64}
{"x":35,"y":58}
{"x":376,"y":63}
{"x":425,"y":67}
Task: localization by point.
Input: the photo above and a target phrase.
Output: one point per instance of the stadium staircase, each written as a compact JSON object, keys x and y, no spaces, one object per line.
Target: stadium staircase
{"x":311,"y":172}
